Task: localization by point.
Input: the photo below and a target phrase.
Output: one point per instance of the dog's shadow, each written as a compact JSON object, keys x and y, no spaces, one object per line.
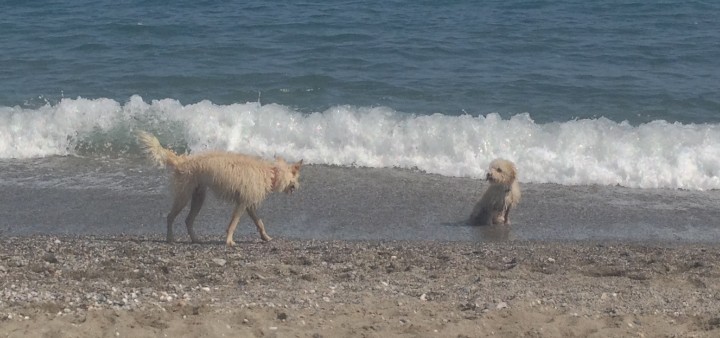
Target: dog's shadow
{"x":484,"y":233}
{"x":239,"y":243}
{"x":180,"y":242}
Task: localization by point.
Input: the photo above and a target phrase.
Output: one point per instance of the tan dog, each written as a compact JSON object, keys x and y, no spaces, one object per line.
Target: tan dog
{"x":241,"y":179}
{"x":502,"y":195}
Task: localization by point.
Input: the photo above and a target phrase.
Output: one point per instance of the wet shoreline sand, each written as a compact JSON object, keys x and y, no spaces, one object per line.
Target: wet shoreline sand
{"x":84,"y":286}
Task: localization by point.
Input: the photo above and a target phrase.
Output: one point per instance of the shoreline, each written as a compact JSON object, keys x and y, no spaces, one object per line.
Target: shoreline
{"x":140,"y":286}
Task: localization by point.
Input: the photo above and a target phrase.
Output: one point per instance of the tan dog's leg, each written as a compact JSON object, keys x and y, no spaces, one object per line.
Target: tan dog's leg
{"x":237,"y":212}
{"x":507,"y":216}
{"x":198,"y":197}
{"x":258,"y":223}
{"x":499,"y":218}
{"x":181,"y":199}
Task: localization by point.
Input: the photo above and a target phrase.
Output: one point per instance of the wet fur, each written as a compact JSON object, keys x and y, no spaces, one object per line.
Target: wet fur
{"x":241,"y":179}
{"x":501,"y":196}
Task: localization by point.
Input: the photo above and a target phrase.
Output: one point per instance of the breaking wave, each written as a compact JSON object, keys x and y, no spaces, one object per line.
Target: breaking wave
{"x":658,"y":154}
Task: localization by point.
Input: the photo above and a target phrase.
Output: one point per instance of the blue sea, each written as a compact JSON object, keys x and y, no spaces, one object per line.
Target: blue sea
{"x":610,"y":110}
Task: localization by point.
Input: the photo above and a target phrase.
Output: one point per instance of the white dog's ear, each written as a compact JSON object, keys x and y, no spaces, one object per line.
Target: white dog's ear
{"x":296,"y":167}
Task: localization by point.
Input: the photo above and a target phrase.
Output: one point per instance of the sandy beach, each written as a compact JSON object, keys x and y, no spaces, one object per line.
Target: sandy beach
{"x":143,"y":287}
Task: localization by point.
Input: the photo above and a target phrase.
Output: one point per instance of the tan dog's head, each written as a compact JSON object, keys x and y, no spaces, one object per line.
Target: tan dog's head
{"x":501,"y":171}
{"x":288,"y":176}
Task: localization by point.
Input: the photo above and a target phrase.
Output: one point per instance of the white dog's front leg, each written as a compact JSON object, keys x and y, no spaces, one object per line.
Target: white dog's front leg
{"x":259,"y":224}
{"x":237,"y":212}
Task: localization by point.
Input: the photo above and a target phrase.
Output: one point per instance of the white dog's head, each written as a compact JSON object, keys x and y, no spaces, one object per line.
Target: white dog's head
{"x":501,"y":171}
{"x":288,"y":176}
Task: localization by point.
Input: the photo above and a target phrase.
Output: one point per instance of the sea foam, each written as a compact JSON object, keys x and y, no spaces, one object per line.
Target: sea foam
{"x":578,"y":152}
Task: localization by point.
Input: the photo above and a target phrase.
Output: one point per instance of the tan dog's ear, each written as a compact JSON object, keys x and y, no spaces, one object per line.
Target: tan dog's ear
{"x":513,"y":171}
{"x":296,"y":167}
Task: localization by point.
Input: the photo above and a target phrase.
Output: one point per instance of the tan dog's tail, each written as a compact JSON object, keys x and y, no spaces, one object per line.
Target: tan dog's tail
{"x":155,"y":151}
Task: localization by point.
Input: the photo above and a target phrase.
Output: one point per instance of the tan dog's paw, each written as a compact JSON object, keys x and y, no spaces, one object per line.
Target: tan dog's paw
{"x":265,"y":237}
{"x":498,"y":220}
{"x":230,"y":243}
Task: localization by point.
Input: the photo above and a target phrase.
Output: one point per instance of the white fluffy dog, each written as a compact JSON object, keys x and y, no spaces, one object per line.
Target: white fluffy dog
{"x":241,"y":179}
{"x":502,"y":195}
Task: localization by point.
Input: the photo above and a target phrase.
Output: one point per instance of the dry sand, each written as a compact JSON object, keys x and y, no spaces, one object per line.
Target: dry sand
{"x":142,"y":287}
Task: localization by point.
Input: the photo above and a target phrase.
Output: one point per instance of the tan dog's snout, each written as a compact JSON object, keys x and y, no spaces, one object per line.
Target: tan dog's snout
{"x":491,"y":178}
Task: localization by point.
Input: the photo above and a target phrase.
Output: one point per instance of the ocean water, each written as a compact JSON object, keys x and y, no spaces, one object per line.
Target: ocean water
{"x":610,"y":110}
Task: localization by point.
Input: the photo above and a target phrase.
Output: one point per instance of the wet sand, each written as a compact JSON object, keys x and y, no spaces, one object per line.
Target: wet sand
{"x":119,"y":286}
{"x":69,"y":196}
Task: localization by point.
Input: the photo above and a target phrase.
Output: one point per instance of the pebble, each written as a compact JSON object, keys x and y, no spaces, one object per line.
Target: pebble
{"x":18,"y":262}
{"x":50,"y":258}
{"x":219,"y":261}
{"x":501,"y":305}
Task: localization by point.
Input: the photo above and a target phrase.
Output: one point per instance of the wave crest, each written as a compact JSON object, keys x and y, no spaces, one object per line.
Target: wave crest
{"x":579,"y":152}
